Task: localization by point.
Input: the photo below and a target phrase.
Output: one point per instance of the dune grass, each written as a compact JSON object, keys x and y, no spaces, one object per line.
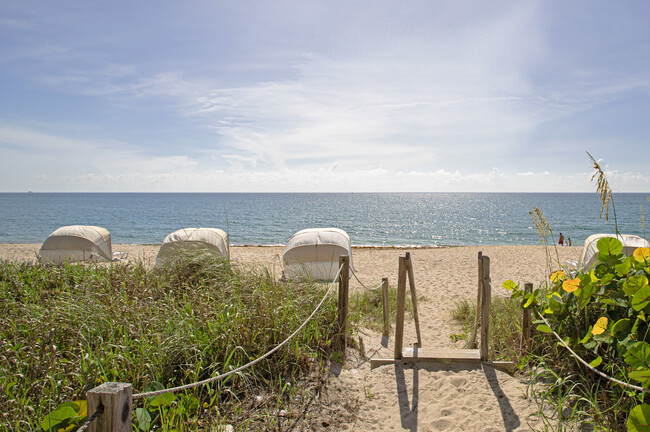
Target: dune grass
{"x":505,"y":326}
{"x":64,"y":330}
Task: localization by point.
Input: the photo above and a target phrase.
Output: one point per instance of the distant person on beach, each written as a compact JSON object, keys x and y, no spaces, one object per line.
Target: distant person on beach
{"x":561,"y":241}
{"x":568,"y":241}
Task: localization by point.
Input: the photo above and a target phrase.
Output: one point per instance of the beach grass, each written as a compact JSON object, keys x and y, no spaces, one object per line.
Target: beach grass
{"x":66,"y":329}
{"x":505,"y":326}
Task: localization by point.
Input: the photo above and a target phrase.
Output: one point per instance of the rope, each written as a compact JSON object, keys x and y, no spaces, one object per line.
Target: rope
{"x":593,"y":369}
{"x":247,"y":365}
{"x":499,"y":292}
{"x":83,"y":427}
{"x":362,"y":284}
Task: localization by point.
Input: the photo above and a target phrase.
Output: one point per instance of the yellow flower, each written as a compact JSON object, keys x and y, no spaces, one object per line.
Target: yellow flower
{"x":600,"y":326}
{"x":557,"y":276}
{"x":570,"y":285}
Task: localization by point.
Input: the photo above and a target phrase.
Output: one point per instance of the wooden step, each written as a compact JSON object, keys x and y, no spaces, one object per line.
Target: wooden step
{"x":442,"y":355}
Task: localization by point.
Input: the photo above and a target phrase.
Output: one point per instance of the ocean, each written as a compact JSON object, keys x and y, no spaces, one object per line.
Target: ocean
{"x":371,"y":219}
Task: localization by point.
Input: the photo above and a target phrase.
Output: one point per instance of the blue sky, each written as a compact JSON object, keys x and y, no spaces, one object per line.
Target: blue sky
{"x":327,"y":96}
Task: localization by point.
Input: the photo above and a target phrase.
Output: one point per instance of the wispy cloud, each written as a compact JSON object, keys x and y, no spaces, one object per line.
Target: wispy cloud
{"x":424,"y":96}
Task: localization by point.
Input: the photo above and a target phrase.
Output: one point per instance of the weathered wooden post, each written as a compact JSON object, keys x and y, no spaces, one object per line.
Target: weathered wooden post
{"x":486,"y":295}
{"x":414,"y":298}
{"x":526,"y":321}
{"x":116,"y":400}
{"x":471,"y":343}
{"x":399,"y":319}
{"x":385,"y":305}
{"x":344,"y":281}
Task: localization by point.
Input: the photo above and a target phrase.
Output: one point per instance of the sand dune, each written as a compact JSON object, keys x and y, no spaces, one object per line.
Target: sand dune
{"x":426,"y":398}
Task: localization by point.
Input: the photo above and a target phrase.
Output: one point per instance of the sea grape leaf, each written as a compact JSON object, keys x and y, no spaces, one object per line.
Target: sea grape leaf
{"x":621,"y":328}
{"x":609,"y":246}
{"x":72,"y":405}
{"x":641,"y":298}
{"x":613,"y":260}
{"x":585,"y":295}
{"x":641,"y":376}
{"x":529,"y":300}
{"x":509,"y":285}
{"x":590,"y":344}
{"x":639,"y":419}
{"x":60,"y":417}
{"x":557,"y":276}
{"x":607,"y":279}
{"x":143,"y":418}
{"x":596,"y":362}
{"x":638,"y":355}
{"x":642,"y":255}
{"x":153,"y":386}
{"x":600,"y":270}
{"x":623,"y":268}
{"x":544,"y":328}
{"x":164,"y":399}
{"x":634,"y":284}
{"x":571,"y":285}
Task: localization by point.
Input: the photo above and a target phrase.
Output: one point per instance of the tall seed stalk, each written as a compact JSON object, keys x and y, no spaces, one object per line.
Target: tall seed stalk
{"x":605,"y":192}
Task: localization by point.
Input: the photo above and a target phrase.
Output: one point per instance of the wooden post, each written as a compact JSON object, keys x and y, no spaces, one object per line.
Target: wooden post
{"x":472,"y":340}
{"x":525,"y":321}
{"x":344,"y":281}
{"x":385,"y":305}
{"x":401,"y":310}
{"x":414,"y":298}
{"x":116,"y":400}
{"x":486,"y":294}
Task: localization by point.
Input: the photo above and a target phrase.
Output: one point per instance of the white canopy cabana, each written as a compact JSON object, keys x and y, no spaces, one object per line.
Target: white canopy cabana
{"x":187,"y":239}
{"x":76,"y":243}
{"x":590,"y":250}
{"x":314,"y":253}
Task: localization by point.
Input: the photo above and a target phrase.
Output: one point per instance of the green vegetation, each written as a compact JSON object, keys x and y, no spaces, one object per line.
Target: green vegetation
{"x":602,"y":313}
{"x":367,"y":310}
{"x":505,"y":326}
{"x":64,"y":330}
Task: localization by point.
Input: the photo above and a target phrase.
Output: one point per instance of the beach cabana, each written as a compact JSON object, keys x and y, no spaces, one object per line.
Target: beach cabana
{"x":76,"y":243}
{"x":314,"y":253}
{"x":590,"y":250}
{"x":185,"y":240}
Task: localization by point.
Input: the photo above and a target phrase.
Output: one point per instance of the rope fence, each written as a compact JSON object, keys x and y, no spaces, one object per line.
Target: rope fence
{"x":249,"y":364}
{"x":363,"y":285}
{"x":590,"y":367}
{"x":96,"y":414}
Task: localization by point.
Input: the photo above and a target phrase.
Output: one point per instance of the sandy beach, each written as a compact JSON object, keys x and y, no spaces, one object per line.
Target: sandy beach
{"x":424,"y":398}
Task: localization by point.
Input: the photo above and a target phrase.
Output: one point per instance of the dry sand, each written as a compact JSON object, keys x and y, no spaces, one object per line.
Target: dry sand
{"x":428,"y":397}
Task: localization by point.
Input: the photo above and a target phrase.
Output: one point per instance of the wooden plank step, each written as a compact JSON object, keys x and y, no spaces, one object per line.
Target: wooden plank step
{"x":443,"y":355}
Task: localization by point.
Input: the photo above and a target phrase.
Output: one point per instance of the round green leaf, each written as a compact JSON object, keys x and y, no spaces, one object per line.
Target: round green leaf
{"x":544,"y":328}
{"x":596,"y":362}
{"x":509,"y":285}
{"x":609,"y":246}
{"x":600,"y":270}
{"x":634,"y":284}
{"x":164,"y":399}
{"x":641,"y":298}
{"x":638,"y":356}
{"x":153,"y":386}
{"x":621,"y":328}
{"x":143,"y":418}
{"x":639,"y":419}
{"x":58,"y":417}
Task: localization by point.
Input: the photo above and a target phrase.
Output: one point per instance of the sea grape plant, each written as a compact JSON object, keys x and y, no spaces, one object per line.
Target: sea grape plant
{"x":603,"y":314}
